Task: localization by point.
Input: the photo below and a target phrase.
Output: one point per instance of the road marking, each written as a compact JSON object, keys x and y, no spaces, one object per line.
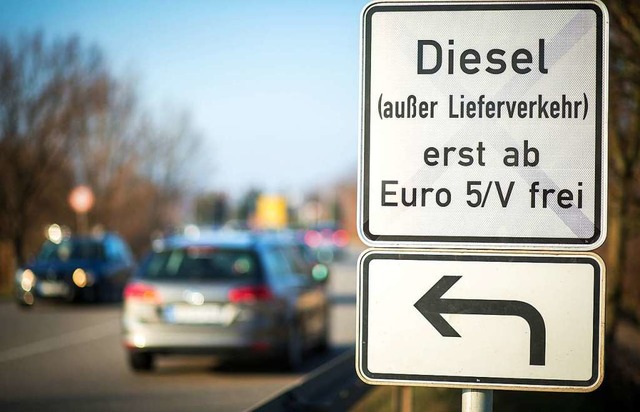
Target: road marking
{"x":59,"y":342}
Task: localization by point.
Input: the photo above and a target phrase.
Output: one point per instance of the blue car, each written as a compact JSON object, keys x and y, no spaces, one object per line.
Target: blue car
{"x":78,"y":268}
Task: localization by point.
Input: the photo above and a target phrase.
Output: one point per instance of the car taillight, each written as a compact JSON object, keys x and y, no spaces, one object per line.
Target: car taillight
{"x":340,"y":238}
{"x":312,"y":238}
{"x":250,"y":294}
{"x":141,"y":292}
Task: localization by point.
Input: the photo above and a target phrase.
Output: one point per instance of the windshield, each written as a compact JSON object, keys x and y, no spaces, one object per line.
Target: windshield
{"x":202,"y":263}
{"x":71,"y":249}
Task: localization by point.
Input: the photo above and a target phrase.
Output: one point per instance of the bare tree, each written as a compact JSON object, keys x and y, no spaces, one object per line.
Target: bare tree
{"x":47,"y":92}
{"x":171,"y":146}
{"x":173,"y":155}
{"x":140,"y":171}
{"x":624,"y":153}
{"x":66,"y":119}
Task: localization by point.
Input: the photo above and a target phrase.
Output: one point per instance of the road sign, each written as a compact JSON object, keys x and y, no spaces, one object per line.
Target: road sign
{"x":81,"y":199}
{"x":480,"y":320}
{"x":484,"y":125}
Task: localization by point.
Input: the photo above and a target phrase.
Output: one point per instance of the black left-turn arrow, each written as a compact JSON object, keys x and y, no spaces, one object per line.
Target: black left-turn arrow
{"x":431,"y":305}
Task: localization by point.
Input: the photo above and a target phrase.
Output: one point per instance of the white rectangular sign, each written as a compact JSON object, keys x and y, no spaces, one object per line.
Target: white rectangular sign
{"x":494,"y":321}
{"x":484,"y":125}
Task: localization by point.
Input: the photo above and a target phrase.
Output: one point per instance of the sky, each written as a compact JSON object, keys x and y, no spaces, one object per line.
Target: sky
{"x":273,"y":86}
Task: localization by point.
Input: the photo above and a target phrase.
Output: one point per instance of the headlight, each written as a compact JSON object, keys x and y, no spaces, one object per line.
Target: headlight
{"x":27,"y":280}
{"x":82,"y":278}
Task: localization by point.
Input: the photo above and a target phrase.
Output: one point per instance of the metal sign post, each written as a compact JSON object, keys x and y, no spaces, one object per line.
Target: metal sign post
{"x":477,"y":400}
{"x":81,"y":200}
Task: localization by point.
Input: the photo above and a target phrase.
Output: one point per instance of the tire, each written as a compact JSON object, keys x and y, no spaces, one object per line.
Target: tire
{"x":294,"y":351}
{"x":90,"y":295}
{"x":323,"y":343}
{"x":141,"y":361}
{"x":22,"y":304}
{"x":73,"y":294}
{"x":104,"y":293}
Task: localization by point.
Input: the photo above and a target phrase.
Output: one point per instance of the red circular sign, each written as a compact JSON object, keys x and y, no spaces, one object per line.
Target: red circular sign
{"x":81,"y":199}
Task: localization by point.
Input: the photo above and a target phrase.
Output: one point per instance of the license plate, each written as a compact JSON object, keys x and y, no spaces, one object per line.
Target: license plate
{"x":52,"y":288}
{"x":205,"y":314}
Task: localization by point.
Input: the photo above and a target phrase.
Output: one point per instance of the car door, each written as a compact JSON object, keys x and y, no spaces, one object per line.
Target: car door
{"x":119,"y":263}
{"x":311,"y":297}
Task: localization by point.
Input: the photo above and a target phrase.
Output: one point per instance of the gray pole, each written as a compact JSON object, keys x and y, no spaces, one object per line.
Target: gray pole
{"x":474,"y":400}
{"x":82,"y":223}
{"x":406,"y":399}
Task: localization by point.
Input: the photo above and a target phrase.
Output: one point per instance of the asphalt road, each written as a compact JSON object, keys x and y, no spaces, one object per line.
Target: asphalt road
{"x":58,"y":357}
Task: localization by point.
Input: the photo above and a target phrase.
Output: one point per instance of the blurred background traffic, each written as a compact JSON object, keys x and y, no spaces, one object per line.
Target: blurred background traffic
{"x":174,"y":179}
{"x":125,"y":124}
{"x":207,"y":113}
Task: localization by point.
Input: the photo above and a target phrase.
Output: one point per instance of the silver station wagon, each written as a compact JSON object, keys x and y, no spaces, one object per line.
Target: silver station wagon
{"x":238,"y":294}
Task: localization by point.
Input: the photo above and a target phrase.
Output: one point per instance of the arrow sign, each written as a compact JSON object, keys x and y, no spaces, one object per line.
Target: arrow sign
{"x":562,"y":351}
{"x":431,"y":305}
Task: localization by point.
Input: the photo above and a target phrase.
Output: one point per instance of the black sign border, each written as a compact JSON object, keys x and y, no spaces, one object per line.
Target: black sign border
{"x":479,"y":381}
{"x":363,"y":220}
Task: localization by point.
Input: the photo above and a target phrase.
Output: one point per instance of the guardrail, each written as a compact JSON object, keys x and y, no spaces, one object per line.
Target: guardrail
{"x":332,"y":387}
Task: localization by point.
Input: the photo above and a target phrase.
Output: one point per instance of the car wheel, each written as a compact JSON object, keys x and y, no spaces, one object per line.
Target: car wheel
{"x":102,"y":293}
{"x":141,"y":361}
{"x":73,"y":294}
{"x":25,"y":302}
{"x":107,"y":293}
{"x":295,"y":349}
{"x":90,"y":295}
{"x":323,"y":343}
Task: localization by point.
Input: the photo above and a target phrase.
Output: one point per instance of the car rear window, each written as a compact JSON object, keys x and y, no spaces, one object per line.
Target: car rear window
{"x":202,"y":263}
{"x":71,"y":249}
